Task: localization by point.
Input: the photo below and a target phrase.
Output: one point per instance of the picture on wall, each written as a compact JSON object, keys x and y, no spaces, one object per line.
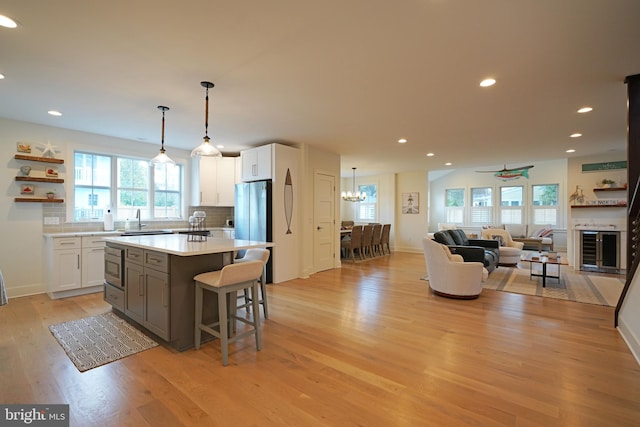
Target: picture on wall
{"x":410,"y":204}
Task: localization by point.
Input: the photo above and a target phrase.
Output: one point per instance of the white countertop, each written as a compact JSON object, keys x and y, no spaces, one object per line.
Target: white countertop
{"x":117,"y":232}
{"x":178,"y":244}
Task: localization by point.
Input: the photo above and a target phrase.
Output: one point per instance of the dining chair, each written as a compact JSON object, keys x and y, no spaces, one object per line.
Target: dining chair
{"x":352,"y":244}
{"x":367,"y":235}
{"x":376,"y":238}
{"x":384,"y":238}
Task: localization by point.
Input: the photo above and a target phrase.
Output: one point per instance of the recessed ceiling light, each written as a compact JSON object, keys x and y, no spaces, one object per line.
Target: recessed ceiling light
{"x":7,"y":22}
{"x":219,"y":146}
{"x":571,"y":150}
{"x":575,"y":135}
{"x":430,"y":154}
{"x":585,"y":110}
{"x":448,"y":164}
{"x":402,"y":140}
{"x":487,"y":82}
{"x":1,"y":76}
{"x":54,"y":113}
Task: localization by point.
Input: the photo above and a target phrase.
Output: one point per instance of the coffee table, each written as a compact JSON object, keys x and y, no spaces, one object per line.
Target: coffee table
{"x":537,"y":258}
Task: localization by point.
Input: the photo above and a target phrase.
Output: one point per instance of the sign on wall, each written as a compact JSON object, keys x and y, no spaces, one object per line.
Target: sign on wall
{"x":604,"y":166}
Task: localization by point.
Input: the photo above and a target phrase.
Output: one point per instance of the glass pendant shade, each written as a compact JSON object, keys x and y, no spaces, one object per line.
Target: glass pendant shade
{"x":162,"y":157}
{"x":206,"y":149}
{"x":354,"y":196}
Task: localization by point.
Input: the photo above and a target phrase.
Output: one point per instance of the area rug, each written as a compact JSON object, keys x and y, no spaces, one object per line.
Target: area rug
{"x":98,"y":340}
{"x":580,"y":287}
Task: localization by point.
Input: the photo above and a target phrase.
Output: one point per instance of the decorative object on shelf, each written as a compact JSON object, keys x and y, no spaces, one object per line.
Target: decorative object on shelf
{"x":162,"y":157}
{"x":27,"y":189}
{"x":24,"y":147}
{"x":50,"y":194}
{"x":577,"y":197}
{"x":410,"y":203}
{"x":206,"y":148}
{"x":354,"y":196}
{"x":25,"y":170}
{"x":606,"y":183}
{"x":506,"y":174}
{"x":51,"y":172}
{"x":48,"y":150}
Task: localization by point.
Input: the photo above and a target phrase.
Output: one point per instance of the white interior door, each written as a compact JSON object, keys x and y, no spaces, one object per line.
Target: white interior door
{"x":324,"y":218}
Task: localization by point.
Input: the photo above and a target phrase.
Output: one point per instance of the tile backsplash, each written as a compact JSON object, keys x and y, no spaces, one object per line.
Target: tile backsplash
{"x":57,"y":212}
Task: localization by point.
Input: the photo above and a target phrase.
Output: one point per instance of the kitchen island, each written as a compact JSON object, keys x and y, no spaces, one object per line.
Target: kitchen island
{"x":149,"y":280}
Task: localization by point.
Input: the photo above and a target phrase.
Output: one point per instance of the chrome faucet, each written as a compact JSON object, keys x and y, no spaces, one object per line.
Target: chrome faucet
{"x":139,"y":219}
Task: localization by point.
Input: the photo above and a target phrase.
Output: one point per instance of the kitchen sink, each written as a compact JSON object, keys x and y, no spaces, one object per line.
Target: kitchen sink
{"x":145,"y":232}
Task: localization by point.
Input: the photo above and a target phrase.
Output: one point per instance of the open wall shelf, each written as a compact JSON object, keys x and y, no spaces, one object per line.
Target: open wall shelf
{"x":39,"y":159}
{"x":37,"y":200}
{"x":36,"y":179}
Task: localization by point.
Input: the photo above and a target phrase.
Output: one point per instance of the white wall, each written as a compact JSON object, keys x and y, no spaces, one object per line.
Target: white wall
{"x":315,"y":160}
{"x":22,"y":248}
{"x":410,"y":228}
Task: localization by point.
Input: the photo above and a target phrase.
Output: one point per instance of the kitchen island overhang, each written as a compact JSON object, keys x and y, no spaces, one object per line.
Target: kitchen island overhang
{"x":158,"y":292}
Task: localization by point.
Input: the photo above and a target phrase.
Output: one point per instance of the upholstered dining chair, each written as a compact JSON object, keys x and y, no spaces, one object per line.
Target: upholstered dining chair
{"x":449,"y":275}
{"x":384,"y":238}
{"x":353,"y":243}
{"x":367,"y":235}
{"x":376,"y":238}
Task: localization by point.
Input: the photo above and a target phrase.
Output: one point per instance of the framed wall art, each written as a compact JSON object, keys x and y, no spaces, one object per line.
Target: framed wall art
{"x":410,"y":203}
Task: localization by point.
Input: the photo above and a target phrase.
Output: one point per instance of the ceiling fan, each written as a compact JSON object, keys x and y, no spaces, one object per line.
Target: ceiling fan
{"x":505,"y":169}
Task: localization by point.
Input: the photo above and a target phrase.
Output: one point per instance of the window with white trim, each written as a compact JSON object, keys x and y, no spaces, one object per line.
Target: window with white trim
{"x":454,"y":205}
{"x":511,"y":202}
{"x":367,"y":211}
{"x":124,"y":185}
{"x":482,"y":205}
{"x":545,"y":204}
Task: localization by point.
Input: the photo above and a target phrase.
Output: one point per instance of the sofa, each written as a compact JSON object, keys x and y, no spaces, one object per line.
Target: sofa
{"x":472,"y":250}
{"x":533,"y":237}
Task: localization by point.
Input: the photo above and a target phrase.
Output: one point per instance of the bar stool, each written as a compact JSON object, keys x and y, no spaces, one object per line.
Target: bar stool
{"x":226,"y":283}
{"x":256,"y":254}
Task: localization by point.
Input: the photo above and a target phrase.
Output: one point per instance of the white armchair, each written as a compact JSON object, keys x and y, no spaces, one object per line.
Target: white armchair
{"x":449,"y":275}
{"x":510,"y":251}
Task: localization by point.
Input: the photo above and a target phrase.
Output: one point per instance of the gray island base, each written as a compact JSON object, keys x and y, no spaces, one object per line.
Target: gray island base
{"x":157,"y":290}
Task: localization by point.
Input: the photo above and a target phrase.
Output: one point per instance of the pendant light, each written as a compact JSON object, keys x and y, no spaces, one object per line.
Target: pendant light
{"x":355,"y":196}
{"x":162,"y":156}
{"x":206,"y":148}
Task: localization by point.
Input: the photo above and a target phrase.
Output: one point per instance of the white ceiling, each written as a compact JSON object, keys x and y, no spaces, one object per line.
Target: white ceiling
{"x":349,"y":76}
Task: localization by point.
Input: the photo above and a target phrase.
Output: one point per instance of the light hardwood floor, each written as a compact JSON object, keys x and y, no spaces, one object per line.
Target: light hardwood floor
{"x":365,"y":345}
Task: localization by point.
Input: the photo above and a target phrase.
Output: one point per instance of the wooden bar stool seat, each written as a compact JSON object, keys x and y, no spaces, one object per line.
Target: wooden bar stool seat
{"x":226,"y":283}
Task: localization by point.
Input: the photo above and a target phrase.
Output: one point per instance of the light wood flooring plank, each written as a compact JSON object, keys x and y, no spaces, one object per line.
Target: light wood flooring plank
{"x":366,"y":344}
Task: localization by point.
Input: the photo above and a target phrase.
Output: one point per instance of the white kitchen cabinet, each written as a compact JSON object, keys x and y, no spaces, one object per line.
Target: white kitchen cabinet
{"x":75,"y":265}
{"x":65,"y":271}
{"x":217,"y":181}
{"x":256,"y":163}
{"x":92,"y":261}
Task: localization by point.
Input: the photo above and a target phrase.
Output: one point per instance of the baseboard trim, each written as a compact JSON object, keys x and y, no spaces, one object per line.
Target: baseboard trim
{"x":632,"y":341}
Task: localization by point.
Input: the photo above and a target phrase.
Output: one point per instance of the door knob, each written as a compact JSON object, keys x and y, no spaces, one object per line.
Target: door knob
{"x":319,"y":228}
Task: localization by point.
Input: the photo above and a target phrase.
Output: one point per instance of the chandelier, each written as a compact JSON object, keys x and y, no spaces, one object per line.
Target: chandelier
{"x":354,"y":196}
{"x":206,"y":148}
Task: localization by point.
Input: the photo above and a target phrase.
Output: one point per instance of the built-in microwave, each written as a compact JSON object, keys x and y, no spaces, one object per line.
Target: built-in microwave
{"x":114,"y":266}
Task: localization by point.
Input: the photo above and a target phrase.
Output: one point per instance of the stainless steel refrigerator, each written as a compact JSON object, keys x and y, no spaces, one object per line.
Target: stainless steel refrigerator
{"x":252,"y":216}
